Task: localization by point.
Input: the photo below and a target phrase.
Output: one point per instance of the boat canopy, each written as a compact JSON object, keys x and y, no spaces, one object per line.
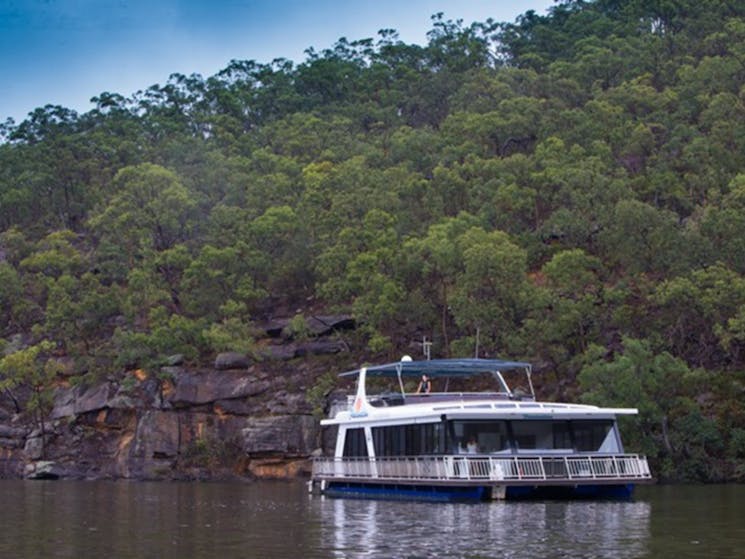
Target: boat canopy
{"x":441,"y":368}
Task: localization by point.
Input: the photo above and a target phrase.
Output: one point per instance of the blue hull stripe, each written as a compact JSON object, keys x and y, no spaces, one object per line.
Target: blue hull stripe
{"x":406,"y":492}
{"x":476,"y":493}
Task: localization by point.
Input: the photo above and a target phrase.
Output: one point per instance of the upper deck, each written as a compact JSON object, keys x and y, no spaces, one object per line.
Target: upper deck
{"x":499,"y":402}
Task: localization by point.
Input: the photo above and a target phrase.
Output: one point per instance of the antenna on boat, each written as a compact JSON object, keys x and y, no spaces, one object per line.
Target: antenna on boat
{"x":426,"y":348}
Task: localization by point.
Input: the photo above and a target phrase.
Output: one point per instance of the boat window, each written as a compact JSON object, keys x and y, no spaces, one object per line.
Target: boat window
{"x":407,"y":440}
{"x":533,"y":434}
{"x":488,"y":437}
{"x":595,"y":436}
{"x":565,"y":436}
{"x":354,"y":443}
{"x":562,"y":435}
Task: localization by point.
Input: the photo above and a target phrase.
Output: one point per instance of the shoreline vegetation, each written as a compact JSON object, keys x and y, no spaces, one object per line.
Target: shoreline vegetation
{"x":567,"y":190}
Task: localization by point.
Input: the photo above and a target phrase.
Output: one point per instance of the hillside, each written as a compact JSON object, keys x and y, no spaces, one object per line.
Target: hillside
{"x":568,"y":190}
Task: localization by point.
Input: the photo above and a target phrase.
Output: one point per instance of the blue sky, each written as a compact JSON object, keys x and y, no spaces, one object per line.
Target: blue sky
{"x":64,"y":52}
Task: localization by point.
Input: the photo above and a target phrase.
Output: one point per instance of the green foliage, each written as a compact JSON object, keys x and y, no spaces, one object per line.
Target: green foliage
{"x":168,"y":335}
{"x":698,"y":313}
{"x":645,"y":239}
{"x":150,"y":211}
{"x":568,"y":312}
{"x":670,"y":427}
{"x":491,"y":289}
{"x":34,"y":369}
{"x":78,"y":310}
{"x":230,"y":335}
{"x":297,"y":328}
{"x":216,"y":276}
{"x":567,"y":189}
{"x":54,"y":256}
{"x":209,"y":452}
{"x":737,"y":444}
{"x":10,"y":293}
{"x":317,"y":394}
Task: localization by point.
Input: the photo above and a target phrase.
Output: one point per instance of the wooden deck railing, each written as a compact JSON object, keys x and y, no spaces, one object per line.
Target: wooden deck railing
{"x":470,"y":470}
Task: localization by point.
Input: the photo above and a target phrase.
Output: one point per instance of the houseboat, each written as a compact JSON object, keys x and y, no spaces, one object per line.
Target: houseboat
{"x":443,"y":442}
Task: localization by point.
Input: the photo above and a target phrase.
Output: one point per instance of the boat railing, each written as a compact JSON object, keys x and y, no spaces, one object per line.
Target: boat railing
{"x":480,"y":468}
{"x":397,"y":398}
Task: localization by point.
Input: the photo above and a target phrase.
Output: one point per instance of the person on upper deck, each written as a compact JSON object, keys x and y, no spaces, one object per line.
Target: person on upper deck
{"x":425,"y":385}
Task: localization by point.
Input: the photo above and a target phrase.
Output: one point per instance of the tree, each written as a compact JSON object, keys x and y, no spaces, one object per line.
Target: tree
{"x":568,"y":313}
{"x":723,"y":225}
{"x":359,"y":269}
{"x":151,"y":210}
{"x":34,"y":369}
{"x":10,"y":295}
{"x":491,"y":290}
{"x":643,"y":239}
{"x":55,"y":255}
{"x":218,"y":276}
{"x":659,"y":385}
{"x":433,"y":263}
{"x":78,"y":314}
{"x":279,"y":239}
{"x":697,"y":313}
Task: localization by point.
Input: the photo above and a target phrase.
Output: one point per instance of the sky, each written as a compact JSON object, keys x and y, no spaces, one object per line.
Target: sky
{"x":64,"y":52}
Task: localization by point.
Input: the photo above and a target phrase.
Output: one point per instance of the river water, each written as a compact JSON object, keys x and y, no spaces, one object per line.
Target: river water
{"x":162,"y":520}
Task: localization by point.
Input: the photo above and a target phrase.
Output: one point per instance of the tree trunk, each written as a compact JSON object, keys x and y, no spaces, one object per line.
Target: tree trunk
{"x":445,"y":339}
{"x":665,"y":437}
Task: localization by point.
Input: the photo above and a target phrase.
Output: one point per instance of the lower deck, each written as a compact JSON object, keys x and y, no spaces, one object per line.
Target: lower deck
{"x":466,"y":474}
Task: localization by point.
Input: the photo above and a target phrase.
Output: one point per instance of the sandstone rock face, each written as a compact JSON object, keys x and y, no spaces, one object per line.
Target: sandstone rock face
{"x":289,"y":435}
{"x":195,"y":388}
{"x":239,"y":419}
{"x":185,"y":424}
{"x":34,"y":448}
{"x":155,"y":446}
{"x":10,"y":433}
{"x":81,"y":399}
{"x":316,"y":325}
{"x":43,"y":469}
{"x":232,"y":360}
{"x":319,"y":348}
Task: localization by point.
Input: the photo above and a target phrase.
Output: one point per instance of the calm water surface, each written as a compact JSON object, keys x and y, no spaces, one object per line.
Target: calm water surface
{"x":195,"y":520}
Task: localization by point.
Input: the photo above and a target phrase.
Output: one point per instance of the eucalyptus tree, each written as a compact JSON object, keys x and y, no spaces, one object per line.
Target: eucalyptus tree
{"x":150,"y":210}
{"x":662,"y":387}
{"x":569,"y":312}
{"x":696,"y":314}
{"x":11,"y":295}
{"x":491,"y":293}
{"x":359,"y":271}
{"x":431,"y":270}
{"x":642,"y":239}
{"x":722,"y":224}
{"x":32,"y":369}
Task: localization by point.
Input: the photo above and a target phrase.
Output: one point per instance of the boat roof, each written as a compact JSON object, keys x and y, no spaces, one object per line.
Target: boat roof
{"x":432,"y":406}
{"x":433,"y":411}
{"x":440,"y":368}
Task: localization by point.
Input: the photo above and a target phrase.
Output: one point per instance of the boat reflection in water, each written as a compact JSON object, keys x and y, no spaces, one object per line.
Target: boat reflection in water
{"x":360,"y":527}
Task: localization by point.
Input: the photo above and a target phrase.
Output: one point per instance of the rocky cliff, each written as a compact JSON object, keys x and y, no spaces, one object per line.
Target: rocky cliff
{"x":242,"y":417}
